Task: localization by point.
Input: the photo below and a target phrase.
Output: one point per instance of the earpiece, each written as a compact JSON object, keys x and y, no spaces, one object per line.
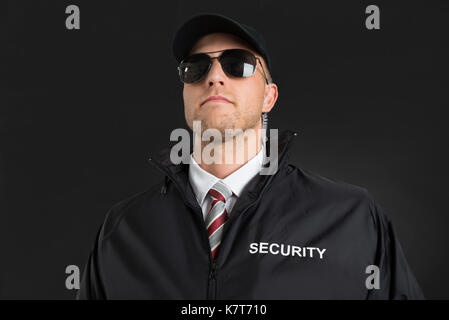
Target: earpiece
{"x":264,"y":120}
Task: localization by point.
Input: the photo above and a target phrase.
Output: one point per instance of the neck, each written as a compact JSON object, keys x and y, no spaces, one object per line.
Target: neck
{"x":230,"y":155}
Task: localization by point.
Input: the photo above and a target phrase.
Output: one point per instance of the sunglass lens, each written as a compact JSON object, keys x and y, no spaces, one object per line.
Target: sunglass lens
{"x":193,"y":68}
{"x":238,"y":63}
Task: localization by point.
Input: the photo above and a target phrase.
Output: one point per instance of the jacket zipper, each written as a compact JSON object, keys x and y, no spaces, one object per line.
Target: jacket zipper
{"x":212,"y":285}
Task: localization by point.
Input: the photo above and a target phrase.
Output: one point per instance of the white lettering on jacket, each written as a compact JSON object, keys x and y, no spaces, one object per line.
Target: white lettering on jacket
{"x":286,"y":250}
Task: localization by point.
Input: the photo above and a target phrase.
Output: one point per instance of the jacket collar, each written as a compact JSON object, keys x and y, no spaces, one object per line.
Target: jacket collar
{"x":178,"y":173}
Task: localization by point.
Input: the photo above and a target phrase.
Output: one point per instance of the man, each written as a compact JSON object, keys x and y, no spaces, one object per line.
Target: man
{"x":222,"y":230}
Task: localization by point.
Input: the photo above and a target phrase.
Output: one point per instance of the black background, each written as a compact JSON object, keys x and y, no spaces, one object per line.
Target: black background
{"x":82,"y":110}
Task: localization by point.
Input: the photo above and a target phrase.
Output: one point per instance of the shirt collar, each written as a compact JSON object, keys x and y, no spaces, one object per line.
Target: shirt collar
{"x":201,"y":180}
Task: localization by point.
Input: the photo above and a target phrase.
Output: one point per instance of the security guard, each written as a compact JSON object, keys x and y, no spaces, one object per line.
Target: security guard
{"x":213,"y":230}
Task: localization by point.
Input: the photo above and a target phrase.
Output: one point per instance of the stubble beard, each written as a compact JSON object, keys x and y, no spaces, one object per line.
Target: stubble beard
{"x":230,"y":122}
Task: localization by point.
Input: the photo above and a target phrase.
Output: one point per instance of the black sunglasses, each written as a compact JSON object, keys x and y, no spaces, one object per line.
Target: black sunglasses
{"x":237,"y":63}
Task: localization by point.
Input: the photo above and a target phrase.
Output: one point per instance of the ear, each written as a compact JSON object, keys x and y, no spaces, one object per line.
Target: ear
{"x":271,"y":95}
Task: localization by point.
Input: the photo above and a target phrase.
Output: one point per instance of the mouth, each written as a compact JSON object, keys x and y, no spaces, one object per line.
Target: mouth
{"x":219,"y":99}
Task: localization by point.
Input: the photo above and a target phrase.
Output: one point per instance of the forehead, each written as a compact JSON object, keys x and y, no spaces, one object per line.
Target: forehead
{"x":220,"y":41}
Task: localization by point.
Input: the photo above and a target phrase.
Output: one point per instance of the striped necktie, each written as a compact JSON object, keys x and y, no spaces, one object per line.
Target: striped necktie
{"x":217,"y":215}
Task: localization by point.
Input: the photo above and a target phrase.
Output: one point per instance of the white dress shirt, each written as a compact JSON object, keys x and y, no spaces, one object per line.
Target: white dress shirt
{"x":201,"y":181}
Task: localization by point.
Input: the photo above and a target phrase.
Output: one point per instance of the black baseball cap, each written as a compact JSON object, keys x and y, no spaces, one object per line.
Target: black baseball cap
{"x":202,"y":24}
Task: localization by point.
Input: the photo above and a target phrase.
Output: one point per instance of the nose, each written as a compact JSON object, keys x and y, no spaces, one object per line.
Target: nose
{"x":216,"y":75}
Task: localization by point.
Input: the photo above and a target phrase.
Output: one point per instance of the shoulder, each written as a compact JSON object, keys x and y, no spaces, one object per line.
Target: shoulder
{"x":334,"y":195}
{"x":314,"y":183}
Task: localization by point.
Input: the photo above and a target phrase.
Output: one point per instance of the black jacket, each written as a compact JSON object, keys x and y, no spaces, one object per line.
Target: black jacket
{"x":291,"y":235}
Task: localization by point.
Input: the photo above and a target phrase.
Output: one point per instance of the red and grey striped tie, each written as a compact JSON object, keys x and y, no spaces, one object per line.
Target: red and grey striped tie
{"x":217,"y":215}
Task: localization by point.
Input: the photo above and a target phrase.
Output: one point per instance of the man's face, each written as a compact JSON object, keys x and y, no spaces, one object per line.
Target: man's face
{"x":246,"y":95}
